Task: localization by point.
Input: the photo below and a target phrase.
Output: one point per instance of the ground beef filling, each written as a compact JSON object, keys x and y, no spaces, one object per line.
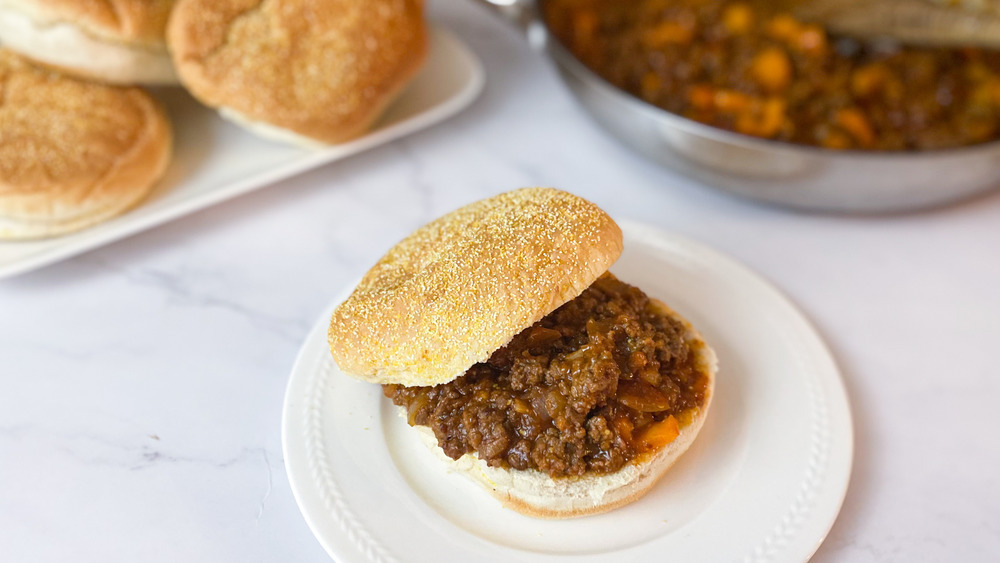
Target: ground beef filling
{"x":599,"y":382}
{"x":748,"y":66}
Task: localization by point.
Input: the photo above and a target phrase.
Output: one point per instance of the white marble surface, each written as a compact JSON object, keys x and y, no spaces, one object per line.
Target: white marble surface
{"x":141,"y":384}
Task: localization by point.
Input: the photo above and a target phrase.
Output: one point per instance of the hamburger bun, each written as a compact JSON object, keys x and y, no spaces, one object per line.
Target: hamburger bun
{"x":73,"y":153}
{"x":114,"y":41}
{"x":459,"y":288}
{"x":454,"y":294}
{"x":300,"y":71}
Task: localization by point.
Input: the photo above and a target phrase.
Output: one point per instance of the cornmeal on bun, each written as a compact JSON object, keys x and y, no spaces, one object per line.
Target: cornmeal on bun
{"x":114,"y":41}
{"x":73,"y":153}
{"x":522,"y":361}
{"x":301,"y":71}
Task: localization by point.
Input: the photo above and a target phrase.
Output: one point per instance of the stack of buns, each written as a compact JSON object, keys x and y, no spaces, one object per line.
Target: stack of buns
{"x":81,"y":141}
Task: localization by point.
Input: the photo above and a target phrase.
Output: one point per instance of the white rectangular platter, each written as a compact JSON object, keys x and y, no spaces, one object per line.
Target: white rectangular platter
{"x":215,"y":160}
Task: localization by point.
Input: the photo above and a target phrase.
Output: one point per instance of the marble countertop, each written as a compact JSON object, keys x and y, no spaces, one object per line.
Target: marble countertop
{"x":141,"y":384}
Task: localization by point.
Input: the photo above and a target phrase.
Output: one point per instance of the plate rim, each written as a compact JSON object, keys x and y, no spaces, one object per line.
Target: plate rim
{"x":831,"y":389}
{"x":829,"y":386}
{"x":74,"y":244}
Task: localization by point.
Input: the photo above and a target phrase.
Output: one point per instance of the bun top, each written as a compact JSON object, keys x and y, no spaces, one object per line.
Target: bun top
{"x":323,"y":69}
{"x":69,"y":147}
{"x":460,"y":287}
{"x":128,"y":21}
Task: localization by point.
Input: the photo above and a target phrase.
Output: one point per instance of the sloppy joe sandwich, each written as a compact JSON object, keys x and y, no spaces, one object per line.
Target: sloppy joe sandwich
{"x":72,"y":152}
{"x":301,"y":71}
{"x":523,"y":361}
{"x":115,"y":41}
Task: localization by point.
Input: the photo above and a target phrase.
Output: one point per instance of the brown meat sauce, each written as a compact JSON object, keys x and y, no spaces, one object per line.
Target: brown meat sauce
{"x":749,"y":67}
{"x":594,"y":385}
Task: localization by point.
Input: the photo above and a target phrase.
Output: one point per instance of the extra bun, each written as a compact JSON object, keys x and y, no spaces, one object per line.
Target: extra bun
{"x":536,"y":494}
{"x":298,"y":70}
{"x":73,"y":153}
{"x":459,"y":288}
{"x":114,"y":41}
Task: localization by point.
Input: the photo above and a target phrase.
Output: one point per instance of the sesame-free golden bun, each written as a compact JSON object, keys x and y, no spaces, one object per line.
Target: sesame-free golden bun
{"x":73,"y":153}
{"x":310,"y":71}
{"x":114,"y":41}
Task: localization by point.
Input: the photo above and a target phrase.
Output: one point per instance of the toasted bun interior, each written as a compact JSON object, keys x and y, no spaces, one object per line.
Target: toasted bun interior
{"x":460,"y":287}
{"x":536,"y":494}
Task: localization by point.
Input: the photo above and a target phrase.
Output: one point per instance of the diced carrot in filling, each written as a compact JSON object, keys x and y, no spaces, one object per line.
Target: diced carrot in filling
{"x":659,"y":434}
{"x":738,"y":18}
{"x":855,"y":123}
{"x":772,"y":69}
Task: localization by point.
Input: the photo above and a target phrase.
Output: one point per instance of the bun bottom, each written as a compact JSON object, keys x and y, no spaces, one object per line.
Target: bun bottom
{"x":12,"y":228}
{"x":534,"y":493}
{"x":65,"y":47}
{"x":270,"y":132}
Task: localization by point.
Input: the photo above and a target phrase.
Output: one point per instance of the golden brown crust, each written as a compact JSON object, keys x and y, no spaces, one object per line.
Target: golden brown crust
{"x":142,"y":22}
{"x":462,"y":286}
{"x":322,"y":69}
{"x":72,"y":153}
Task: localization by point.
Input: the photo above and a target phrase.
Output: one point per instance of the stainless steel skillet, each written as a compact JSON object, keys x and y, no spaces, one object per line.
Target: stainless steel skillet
{"x":780,"y":173}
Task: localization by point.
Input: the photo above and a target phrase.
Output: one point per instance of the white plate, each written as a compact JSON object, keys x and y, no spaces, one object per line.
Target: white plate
{"x":763,"y":482}
{"x":215,"y":160}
